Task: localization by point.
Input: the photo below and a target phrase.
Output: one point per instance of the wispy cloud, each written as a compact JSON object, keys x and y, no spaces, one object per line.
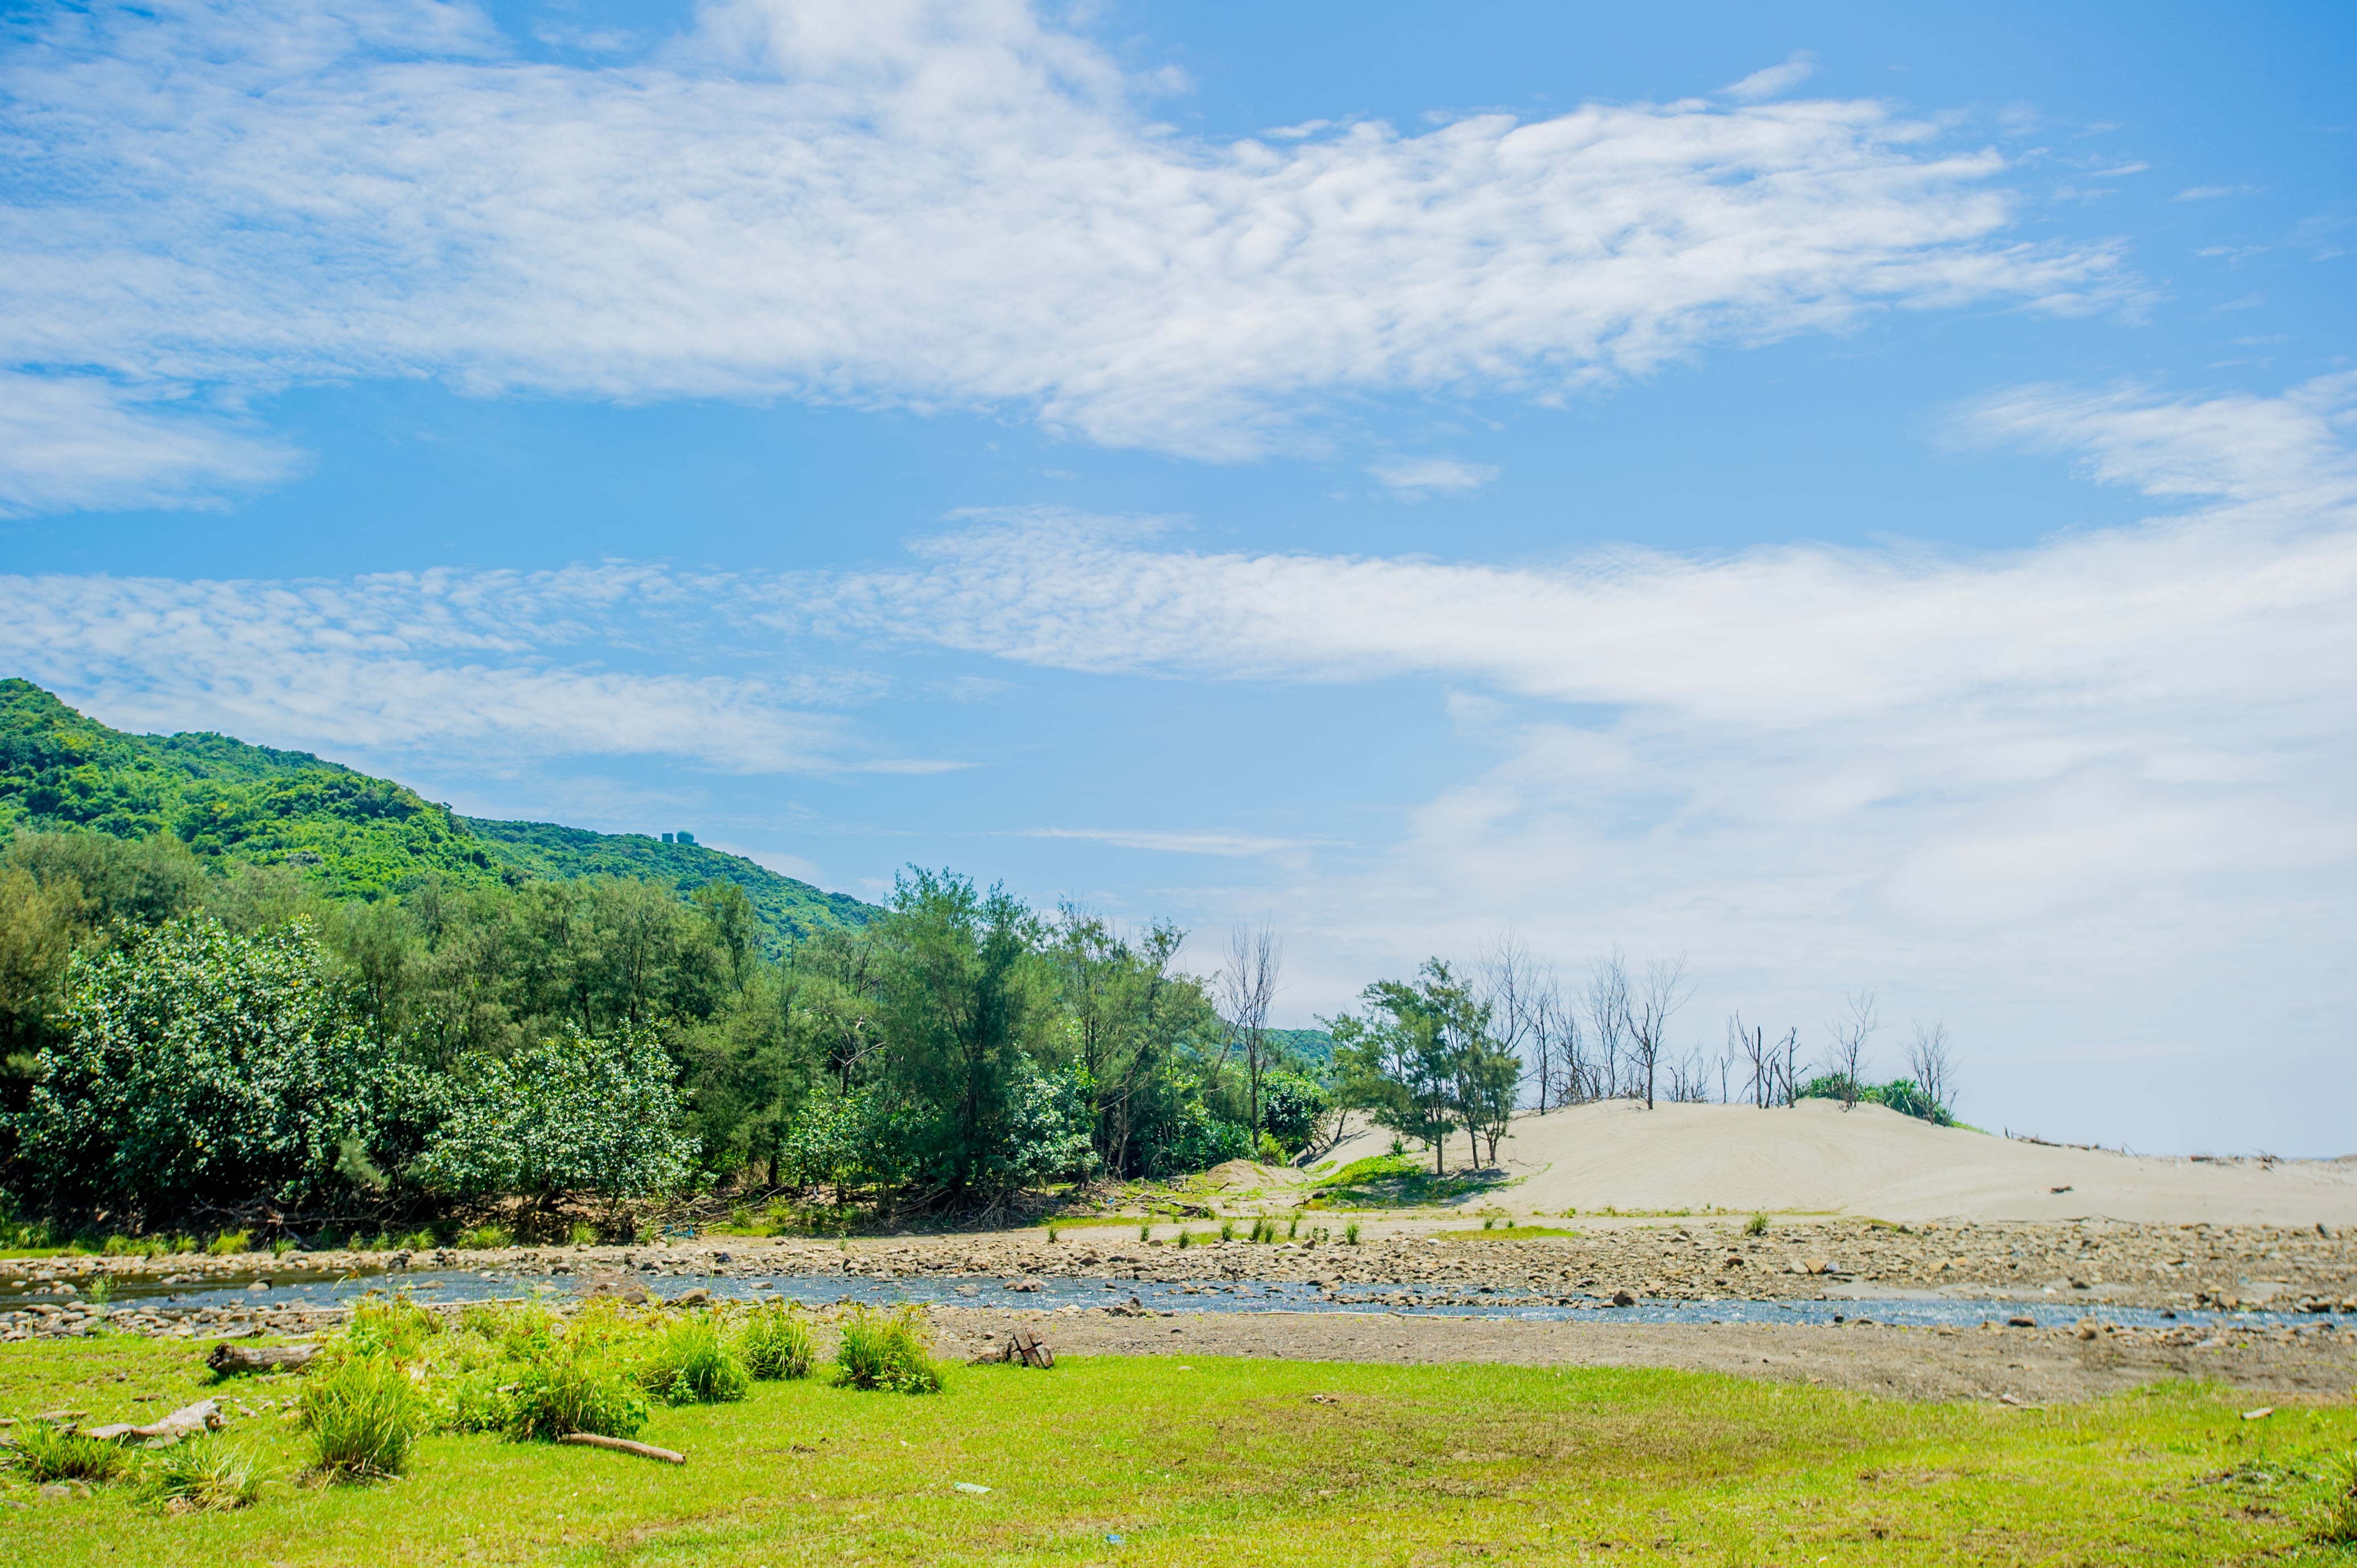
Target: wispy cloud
{"x":918,"y":205}
{"x":1231,"y":845}
{"x":2211,"y":192}
{"x":1411,"y":479}
{"x":1776,"y":80}
{"x":489,"y":665}
{"x":79,"y":443}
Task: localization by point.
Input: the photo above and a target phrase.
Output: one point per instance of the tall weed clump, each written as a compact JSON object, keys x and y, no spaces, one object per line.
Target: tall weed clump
{"x":363,"y":1414}
{"x":206,"y":1474}
{"x":48,"y":1453}
{"x":892,"y":1352}
{"x":2338,"y":1524}
{"x":688,"y":1364}
{"x":775,"y":1342}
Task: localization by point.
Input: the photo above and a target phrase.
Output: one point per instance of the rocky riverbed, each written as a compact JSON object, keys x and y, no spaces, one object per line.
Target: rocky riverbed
{"x":1397,"y":1262}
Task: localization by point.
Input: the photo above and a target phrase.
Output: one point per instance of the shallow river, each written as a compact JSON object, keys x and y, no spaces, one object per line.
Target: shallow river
{"x":296,"y":1288}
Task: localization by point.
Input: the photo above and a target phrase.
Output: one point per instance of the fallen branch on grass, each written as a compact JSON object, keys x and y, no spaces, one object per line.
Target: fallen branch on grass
{"x":229,"y":1359}
{"x":624,"y":1446}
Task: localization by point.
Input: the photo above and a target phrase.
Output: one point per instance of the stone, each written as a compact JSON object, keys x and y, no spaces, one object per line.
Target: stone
{"x":1622,"y":1299}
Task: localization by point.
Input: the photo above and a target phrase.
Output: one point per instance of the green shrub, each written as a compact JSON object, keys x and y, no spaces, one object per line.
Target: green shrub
{"x":881,"y":1352}
{"x":1227,"y":1229}
{"x":363,"y":1416}
{"x":1293,"y":1231}
{"x":205,"y":1474}
{"x":775,"y":1342}
{"x":1054,"y":1234}
{"x":484,"y":1239}
{"x":582,"y":1233}
{"x":48,"y":1453}
{"x":281,"y":1245}
{"x":1186,"y":1239}
{"x":393,"y":1327}
{"x":572,"y":1388}
{"x":1350,"y":1233}
{"x":1145,"y":1231}
{"x":229,"y":1243}
{"x":1756,"y":1226}
{"x":689,"y":1365}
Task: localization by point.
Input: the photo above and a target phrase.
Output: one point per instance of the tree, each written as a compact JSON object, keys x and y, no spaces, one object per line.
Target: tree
{"x":962,"y":989}
{"x":575,"y":1113}
{"x":1850,"y":1032}
{"x":1247,"y":991}
{"x":1396,"y":1064}
{"x":202,"y":1066}
{"x":1607,"y":1016}
{"x":1650,"y":1003}
{"x":1930,"y":1062}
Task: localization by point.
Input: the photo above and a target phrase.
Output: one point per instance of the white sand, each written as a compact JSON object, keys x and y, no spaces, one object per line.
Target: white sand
{"x":1817,"y":1158}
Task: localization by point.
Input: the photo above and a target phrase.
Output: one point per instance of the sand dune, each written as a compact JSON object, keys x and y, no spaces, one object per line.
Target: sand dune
{"x":1817,"y":1157}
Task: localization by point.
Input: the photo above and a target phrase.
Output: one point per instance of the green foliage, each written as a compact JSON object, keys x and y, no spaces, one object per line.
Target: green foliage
{"x":1899,"y":1094}
{"x":1350,"y":1233}
{"x":1756,"y":1226}
{"x":1294,"y":1107}
{"x":485,"y":1237}
{"x":1424,"y":1063}
{"x":363,"y":1416}
{"x":205,"y":1473}
{"x":775,"y":1342}
{"x":199,"y":1062}
{"x":48,"y":1453}
{"x":230,"y":1243}
{"x":688,"y":1364}
{"x":570,"y":1115}
{"x":893,"y":1352}
{"x":392,"y":1327}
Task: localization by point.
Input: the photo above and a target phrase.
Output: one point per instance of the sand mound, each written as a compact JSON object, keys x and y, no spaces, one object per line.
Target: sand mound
{"x":1817,"y":1158}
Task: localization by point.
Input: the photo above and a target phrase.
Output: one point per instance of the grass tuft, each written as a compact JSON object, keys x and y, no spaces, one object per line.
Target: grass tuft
{"x":363,"y":1416}
{"x":2337,"y":1526}
{"x":230,"y":1243}
{"x":1756,"y":1226}
{"x":775,"y":1343}
{"x":892,"y":1352}
{"x":689,"y":1365}
{"x":484,"y":1239}
{"x":48,"y":1453}
{"x":1350,"y":1233}
{"x":207,"y":1475}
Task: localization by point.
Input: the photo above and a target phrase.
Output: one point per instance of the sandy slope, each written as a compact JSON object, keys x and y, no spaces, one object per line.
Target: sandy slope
{"x":1869,"y":1161}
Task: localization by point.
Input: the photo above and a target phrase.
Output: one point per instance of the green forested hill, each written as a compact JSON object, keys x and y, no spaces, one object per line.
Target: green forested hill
{"x":352,"y":835}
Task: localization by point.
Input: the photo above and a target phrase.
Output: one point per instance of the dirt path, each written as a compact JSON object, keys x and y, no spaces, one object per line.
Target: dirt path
{"x":2034,"y":1366}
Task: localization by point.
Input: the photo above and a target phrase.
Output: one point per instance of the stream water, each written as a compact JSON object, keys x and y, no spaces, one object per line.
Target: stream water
{"x":296,"y":1288}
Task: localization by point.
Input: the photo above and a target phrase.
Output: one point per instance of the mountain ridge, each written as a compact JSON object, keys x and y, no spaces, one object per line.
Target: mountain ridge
{"x":353,"y":834}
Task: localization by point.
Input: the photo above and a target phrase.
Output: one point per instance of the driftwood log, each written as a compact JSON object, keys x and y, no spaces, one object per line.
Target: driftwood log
{"x":229,"y":1359}
{"x":624,"y":1446}
{"x":186,"y":1422}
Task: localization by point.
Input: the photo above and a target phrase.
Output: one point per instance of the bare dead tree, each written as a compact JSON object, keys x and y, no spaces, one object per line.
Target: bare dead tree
{"x":1750,"y":1046}
{"x":1791,"y":1047}
{"x":1850,"y":1033}
{"x":1607,"y":1016}
{"x":1566,"y":1046}
{"x":1507,"y":980}
{"x":1656,"y":996}
{"x":1930,"y":1064}
{"x":1247,"y":991}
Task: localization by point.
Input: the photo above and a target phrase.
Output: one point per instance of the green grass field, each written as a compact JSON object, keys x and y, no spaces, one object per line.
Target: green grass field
{"x":1246,"y":1462}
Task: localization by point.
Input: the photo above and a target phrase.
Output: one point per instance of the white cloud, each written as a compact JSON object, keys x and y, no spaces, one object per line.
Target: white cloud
{"x":2087,"y":799}
{"x":76,"y":443}
{"x":1414,"y":478}
{"x":497,"y":666}
{"x":1776,"y":80}
{"x":920,"y":205}
{"x":2210,"y":193}
{"x":1231,"y":845}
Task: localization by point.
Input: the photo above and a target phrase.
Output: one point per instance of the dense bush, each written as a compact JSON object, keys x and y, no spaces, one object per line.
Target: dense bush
{"x":1901,"y":1094}
{"x":689,"y":1364}
{"x":570,"y":1115}
{"x":200,"y":1063}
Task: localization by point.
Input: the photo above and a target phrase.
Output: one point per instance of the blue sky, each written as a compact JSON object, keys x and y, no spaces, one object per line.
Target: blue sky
{"x":1862,"y":501}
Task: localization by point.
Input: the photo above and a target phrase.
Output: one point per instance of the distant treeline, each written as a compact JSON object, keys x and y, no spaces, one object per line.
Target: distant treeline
{"x":184,"y":1033}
